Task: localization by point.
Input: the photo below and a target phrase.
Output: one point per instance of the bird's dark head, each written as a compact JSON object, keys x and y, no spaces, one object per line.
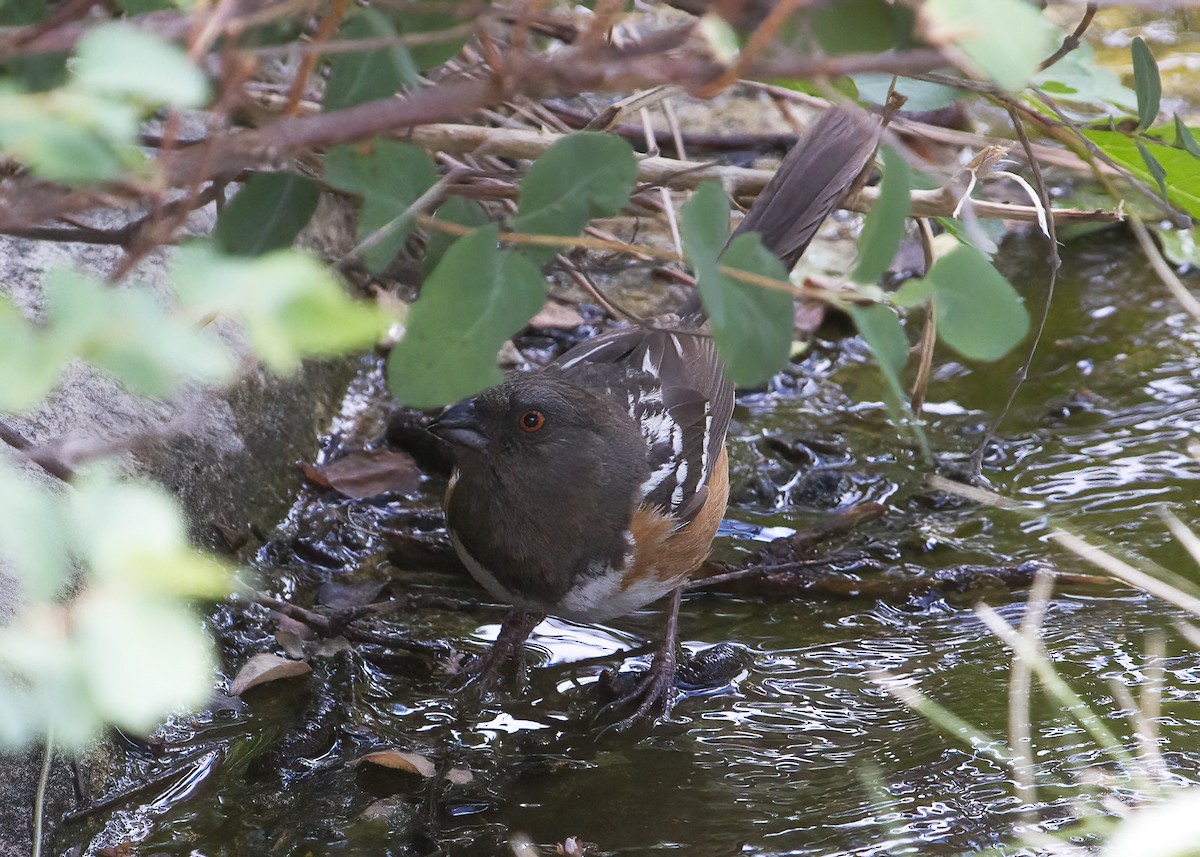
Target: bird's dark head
{"x":530,"y":416}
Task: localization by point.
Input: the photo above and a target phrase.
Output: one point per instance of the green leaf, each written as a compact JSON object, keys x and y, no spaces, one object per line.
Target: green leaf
{"x":1184,"y":138}
{"x":1005,"y":39}
{"x":1155,"y":168}
{"x":922,"y":95}
{"x":881,"y":330}
{"x":1085,"y":87}
{"x":31,"y":534}
{"x":389,"y":177}
{"x":912,"y":293}
{"x":1146,"y":83}
{"x":1183,"y":189}
{"x":581,"y":177}
{"x":883,"y":229}
{"x":267,"y":214}
{"x":862,"y":26}
{"x":423,"y":17}
{"x":134,"y":536}
{"x":125,"y":331}
{"x":476,"y":299}
{"x":66,"y":137}
{"x":1179,"y":245}
{"x":120,"y":60}
{"x":47,"y":684}
{"x":979,"y":314}
{"x":141,"y":657}
{"x":41,"y":71}
{"x":752,"y":325}
{"x":30,"y":361}
{"x":290,"y":304}
{"x":458,"y":210}
{"x":359,"y":76}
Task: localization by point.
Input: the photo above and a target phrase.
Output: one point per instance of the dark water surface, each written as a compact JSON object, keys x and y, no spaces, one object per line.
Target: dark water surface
{"x":803,"y":752}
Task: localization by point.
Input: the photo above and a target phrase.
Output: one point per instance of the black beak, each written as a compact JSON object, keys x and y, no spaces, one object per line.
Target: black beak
{"x":459,"y":425}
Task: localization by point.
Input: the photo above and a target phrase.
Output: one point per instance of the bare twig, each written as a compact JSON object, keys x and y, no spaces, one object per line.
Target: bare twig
{"x":1072,"y":41}
{"x":1054,"y":262}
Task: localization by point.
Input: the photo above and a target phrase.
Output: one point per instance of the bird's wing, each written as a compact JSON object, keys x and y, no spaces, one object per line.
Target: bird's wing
{"x":673,"y":386}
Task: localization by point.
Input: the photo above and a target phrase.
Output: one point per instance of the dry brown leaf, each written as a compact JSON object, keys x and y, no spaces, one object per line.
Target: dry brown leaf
{"x":460,"y":776}
{"x":414,"y":763}
{"x":556,"y":316}
{"x":366,"y":473}
{"x":261,"y":669}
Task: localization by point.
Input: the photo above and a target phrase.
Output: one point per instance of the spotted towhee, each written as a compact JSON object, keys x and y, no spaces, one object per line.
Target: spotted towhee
{"x":595,"y":486}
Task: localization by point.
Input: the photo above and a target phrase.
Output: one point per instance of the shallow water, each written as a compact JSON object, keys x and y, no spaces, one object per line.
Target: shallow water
{"x":802,"y":752}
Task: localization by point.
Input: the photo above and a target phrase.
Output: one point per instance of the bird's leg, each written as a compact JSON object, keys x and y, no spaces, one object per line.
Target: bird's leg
{"x":657,"y":686}
{"x":508,"y":648}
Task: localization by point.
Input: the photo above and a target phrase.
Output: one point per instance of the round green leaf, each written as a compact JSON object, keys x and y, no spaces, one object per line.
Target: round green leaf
{"x":141,"y":657}
{"x":979,"y":314}
{"x":117,"y":59}
{"x":476,"y":299}
{"x":267,"y":214}
{"x":580,"y":177}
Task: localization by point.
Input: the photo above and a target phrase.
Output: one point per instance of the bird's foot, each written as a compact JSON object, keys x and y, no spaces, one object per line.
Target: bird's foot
{"x":484,"y":673}
{"x":653,"y":690}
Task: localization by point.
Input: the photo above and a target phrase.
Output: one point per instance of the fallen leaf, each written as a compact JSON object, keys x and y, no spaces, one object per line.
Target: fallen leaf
{"x":291,"y":644}
{"x":261,"y":669}
{"x":460,"y":776}
{"x":414,"y":763}
{"x":556,"y":316}
{"x":366,"y":473}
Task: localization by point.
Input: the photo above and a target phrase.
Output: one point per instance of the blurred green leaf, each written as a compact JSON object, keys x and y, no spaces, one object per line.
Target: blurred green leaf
{"x":979,"y":314}
{"x":141,"y":7}
{"x":1083,"y":86}
{"x":43,"y":678}
{"x":426,"y":17}
{"x":117,"y":59}
{"x":1006,"y":39}
{"x":141,"y":657}
{"x":922,"y":95}
{"x":862,"y":26}
{"x":389,"y":177}
{"x":913,"y":292}
{"x":1182,"y":178}
{"x":31,"y":538}
{"x":581,"y":177}
{"x":752,"y":325}
{"x":30,"y":361}
{"x":64,"y":136}
{"x":267,"y":214}
{"x":881,"y":330}
{"x":1179,"y":245}
{"x":476,"y":299}
{"x":125,"y":331}
{"x":1146,"y":82}
{"x":41,"y":71}
{"x":134,"y":535}
{"x":359,"y":76}
{"x":884,"y":227}
{"x":458,"y":210}
{"x":290,"y":304}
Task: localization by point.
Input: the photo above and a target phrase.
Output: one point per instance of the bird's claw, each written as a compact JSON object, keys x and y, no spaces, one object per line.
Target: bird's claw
{"x":654,"y":689}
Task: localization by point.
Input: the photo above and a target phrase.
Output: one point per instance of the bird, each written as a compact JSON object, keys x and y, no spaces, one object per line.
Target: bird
{"x":595,"y":486}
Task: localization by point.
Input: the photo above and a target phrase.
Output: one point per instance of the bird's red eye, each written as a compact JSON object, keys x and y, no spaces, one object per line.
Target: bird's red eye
{"x":532,"y":420}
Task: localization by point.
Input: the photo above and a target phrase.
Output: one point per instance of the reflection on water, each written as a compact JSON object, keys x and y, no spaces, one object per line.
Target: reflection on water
{"x":803,"y":753}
